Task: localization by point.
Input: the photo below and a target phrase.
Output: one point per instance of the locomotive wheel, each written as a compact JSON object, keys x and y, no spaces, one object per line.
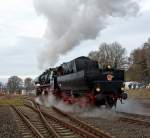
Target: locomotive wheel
{"x":38,"y":93}
{"x":110,"y":102}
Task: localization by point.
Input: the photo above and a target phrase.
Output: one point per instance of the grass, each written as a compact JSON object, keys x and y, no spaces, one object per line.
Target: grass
{"x":139,"y":93}
{"x":11,"y":101}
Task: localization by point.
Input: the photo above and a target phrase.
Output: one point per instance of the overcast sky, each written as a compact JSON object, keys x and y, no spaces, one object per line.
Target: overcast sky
{"x":22,"y":36}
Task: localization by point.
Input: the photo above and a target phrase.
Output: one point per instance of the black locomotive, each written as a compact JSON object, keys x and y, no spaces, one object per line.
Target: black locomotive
{"x":82,"y":81}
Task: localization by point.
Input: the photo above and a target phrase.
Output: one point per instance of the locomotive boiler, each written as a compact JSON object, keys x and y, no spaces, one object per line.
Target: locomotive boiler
{"x":82,"y":81}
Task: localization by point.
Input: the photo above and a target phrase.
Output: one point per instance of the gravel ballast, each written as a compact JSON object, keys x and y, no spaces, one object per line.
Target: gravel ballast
{"x":120,"y":129}
{"x":8,"y":126}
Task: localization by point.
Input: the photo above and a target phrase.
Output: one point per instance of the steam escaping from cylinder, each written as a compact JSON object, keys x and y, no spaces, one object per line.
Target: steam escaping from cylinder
{"x":69,"y":22}
{"x":88,"y":111}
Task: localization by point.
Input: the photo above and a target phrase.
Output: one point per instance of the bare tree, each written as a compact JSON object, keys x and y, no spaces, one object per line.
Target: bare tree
{"x":1,"y":86}
{"x":140,"y":67}
{"x":28,"y":84}
{"x":113,"y":54}
{"x":14,"y":84}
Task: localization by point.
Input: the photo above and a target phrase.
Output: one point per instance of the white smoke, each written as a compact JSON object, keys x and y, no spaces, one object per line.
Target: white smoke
{"x":50,"y":100}
{"x":129,"y":106}
{"x":71,"y":21}
{"x":46,"y":100}
{"x":88,"y":111}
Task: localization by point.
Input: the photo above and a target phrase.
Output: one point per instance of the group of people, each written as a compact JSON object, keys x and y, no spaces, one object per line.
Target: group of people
{"x":135,"y":85}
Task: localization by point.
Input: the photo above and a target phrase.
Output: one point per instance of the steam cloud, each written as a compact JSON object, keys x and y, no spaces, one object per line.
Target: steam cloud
{"x":130,"y":106}
{"x":69,"y":22}
{"x":88,"y":111}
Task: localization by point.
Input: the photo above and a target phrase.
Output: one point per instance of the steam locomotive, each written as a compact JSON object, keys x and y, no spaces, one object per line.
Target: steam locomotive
{"x":82,"y":81}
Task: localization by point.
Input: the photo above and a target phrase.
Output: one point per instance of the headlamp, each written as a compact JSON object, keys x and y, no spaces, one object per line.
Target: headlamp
{"x":98,"y":89}
{"x":109,"y":67}
{"x":38,"y":85}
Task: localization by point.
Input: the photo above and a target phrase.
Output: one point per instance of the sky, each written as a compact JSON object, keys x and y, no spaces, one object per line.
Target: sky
{"x":22,"y":37}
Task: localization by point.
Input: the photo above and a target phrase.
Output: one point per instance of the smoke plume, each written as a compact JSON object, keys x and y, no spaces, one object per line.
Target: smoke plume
{"x":69,"y":22}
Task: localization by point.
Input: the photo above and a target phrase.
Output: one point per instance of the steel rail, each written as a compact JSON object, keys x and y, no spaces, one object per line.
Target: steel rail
{"x":134,"y":121}
{"x":132,"y":114}
{"x":49,"y":126}
{"x":134,"y":118}
{"x":84,"y":125}
{"x":28,"y":123}
{"x":79,"y":131}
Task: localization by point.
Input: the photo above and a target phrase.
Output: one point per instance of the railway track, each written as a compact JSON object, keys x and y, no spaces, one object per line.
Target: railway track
{"x":68,"y":126}
{"x":36,"y":123}
{"x":78,"y":123}
{"x":91,"y":128}
{"x":134,"y":121}
{"x":134,"y":118}
{"x":24,"y":125}
{"x":75,"y":128}
{"x":31,"y":124}
{"x":133,"y":115}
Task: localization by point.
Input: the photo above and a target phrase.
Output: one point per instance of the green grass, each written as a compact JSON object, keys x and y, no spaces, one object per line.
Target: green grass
{"x":12,"y":101}
{"x":139,"y":93}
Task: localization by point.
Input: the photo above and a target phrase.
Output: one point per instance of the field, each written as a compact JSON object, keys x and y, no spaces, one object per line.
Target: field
{"x":11,"y":100}
{"x":139,"y":93}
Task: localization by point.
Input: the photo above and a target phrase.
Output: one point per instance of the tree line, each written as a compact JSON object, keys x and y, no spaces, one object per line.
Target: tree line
{"x":136,"y":66}
{"x":139,"y":69}
{"x":15,"y":85}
